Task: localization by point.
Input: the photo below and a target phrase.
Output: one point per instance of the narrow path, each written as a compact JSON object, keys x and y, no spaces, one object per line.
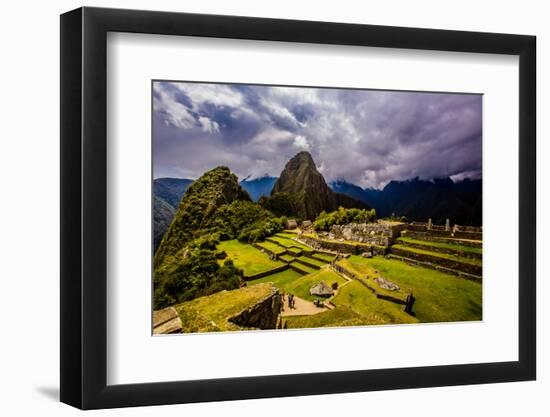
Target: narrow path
{"x":301,"y":308}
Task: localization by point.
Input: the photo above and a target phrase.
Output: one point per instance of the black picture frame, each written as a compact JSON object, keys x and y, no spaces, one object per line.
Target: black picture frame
{"x":84,"y":207}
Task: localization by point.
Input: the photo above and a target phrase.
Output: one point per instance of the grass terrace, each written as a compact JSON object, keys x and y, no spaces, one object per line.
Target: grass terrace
{"x":246,"y":257}
{"x":211,"y":313}
{"x":442,"y":245}
{"x":287,"y":258}
{"x":276,"y":249}
{"x":324,"y":256}
{"x":294,"y":251}
{"x":287,"y":243}
{"x":312,"y":261}
{"x":303,"y":268}
{"x":338,"y":317}
{"x":302,"y":285}
{"x":472,"y":261}
{"x":439,"y":297}
{"x":279,"y":279}
{"x":362,"y":300}
{"x":368,"y":275}
{"x":286,"y":235}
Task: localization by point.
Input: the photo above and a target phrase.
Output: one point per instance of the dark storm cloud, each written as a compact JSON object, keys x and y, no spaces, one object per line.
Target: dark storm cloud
{"x":365,"y":137}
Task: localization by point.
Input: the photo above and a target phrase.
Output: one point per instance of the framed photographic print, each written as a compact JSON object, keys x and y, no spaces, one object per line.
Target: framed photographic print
{"x":258,"y":207}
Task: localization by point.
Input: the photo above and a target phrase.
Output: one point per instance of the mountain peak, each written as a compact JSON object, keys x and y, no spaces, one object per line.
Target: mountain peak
{"x":307,"y":190}
{"x":302,"y":158}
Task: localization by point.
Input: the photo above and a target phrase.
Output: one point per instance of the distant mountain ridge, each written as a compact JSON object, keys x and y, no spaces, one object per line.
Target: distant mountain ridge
{"x":306,"y":188}
{"x":417,"y":199}
{"x":167,"y":194}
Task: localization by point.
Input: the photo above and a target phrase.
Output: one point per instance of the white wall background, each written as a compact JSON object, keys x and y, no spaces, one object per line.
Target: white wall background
{"x":29,"y":225}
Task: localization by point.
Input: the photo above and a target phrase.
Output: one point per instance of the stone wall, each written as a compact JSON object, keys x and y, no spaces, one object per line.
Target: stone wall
{"x":343,"y":247}
{"x":459,"y":228}
{"x":457,"y":231}
{"x":263,"y":315}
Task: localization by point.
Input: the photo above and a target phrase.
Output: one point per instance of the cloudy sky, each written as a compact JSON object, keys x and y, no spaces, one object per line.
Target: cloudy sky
{"x":365,"y":137}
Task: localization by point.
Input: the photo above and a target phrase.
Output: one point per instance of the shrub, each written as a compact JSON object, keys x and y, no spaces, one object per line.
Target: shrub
{"x":280,"y":204}
{"x":192,"y":273}
{"x":262,"y":229}
{"x":343,"y":216}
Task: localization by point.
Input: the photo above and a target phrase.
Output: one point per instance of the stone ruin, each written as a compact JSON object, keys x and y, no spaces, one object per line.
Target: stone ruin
{"x":379,"y":233}
{"x":306,"y":224}
{"x":291,"y":224}
{"x":321,"y":289}
{"x":386,"y":284}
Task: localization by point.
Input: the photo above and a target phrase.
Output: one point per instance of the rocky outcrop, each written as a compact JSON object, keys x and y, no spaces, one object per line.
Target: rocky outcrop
{"x":262,"y":315}
{"x":166,"y":321}
{"x":321,"y":289}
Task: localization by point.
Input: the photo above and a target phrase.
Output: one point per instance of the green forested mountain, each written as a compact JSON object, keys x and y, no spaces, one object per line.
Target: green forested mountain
{"x":213,"y":208}
{"x":198,"y":208}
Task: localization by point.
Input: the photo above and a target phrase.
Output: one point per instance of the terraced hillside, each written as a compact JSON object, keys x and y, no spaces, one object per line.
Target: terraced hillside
{"x":427,"y":271}
{"x":452,"y":258}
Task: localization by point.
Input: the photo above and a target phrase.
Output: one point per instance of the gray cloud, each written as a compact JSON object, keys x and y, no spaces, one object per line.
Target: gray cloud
{"x":365,"y":137}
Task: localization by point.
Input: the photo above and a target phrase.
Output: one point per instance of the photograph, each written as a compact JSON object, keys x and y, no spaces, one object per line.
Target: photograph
{"x":288,"y":207}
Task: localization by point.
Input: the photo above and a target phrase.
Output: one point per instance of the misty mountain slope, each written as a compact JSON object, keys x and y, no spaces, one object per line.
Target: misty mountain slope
{"x":167,"y":194}
{"x":171,"y":189}
{"x":163,"y":213}
{"x":258,"y":187}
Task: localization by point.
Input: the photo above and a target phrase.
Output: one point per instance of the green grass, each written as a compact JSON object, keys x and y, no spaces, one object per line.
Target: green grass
{"x":356,"y":305}
{"x":312,"y":261}
{"x":246,"y":257}
{"x":287,"y":258}
{"x":471,"y":261}
{"x":287,"y":243}
{"x":339,"y":317}
{"x":210,"y":313}
{"x":286,"y":235}
{"x":368,"y":275}
{"x":362,"y":300}
{"x":302,"y":267}
{"x":439,"y":297}
{"x":292,"y":282}
{"x":279,"y":279}
{"x":302,"y":285}
{"x":295,"y":251}
{"x":276,"y":249}
{"x":442,"y":245}
{"x":324,"y":256}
